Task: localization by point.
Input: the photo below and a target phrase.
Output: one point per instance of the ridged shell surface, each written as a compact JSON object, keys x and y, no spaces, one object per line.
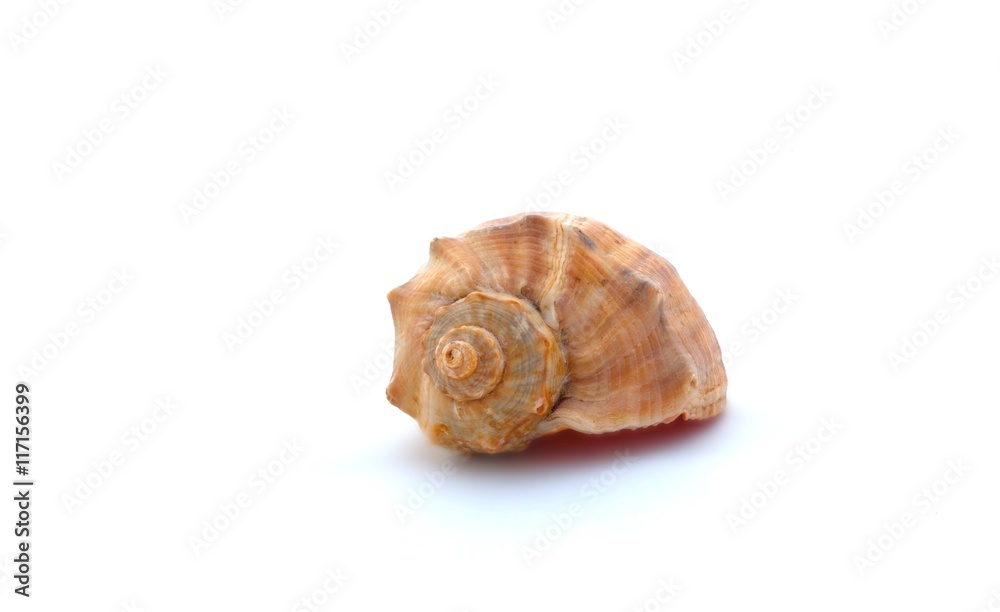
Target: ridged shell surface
{"x":532,"y":324}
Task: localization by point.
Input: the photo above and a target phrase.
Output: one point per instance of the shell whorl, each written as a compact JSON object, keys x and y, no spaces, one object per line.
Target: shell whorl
{"x":502,"y":367}
{"x":467,"y":361}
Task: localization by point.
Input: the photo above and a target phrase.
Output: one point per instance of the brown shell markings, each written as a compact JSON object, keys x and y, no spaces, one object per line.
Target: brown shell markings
{"x":537,"y":323}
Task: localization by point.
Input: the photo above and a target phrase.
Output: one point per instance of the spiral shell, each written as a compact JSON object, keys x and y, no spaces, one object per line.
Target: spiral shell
{"x":536,"y":323}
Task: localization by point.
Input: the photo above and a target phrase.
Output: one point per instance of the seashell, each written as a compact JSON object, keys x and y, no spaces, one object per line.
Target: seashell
{"x":536,"y":323}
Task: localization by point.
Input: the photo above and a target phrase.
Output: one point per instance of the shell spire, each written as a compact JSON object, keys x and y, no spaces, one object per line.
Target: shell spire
{"x":536,"y":323}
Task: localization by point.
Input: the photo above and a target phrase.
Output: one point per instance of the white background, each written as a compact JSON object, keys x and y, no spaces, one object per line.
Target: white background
{"x":296,"y":378}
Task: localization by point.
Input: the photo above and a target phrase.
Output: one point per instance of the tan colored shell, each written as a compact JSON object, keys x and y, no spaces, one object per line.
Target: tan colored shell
{"x":536,"y":323}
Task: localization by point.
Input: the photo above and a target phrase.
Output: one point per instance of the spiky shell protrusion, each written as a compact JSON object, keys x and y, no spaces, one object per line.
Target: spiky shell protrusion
{"x":537,"y":323}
